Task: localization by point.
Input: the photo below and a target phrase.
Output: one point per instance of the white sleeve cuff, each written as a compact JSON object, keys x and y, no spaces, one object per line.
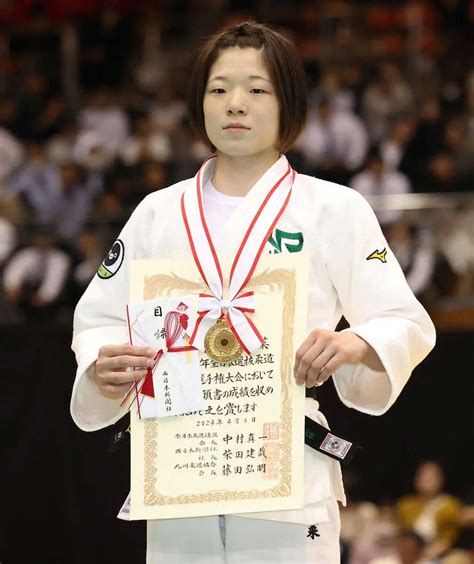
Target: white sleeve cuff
{"x":89,"y":409}
{"x":367,"y":390}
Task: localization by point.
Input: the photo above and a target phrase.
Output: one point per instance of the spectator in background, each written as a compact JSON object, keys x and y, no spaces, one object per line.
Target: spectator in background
{"x":386,"y":97}
{"x":429,"y":130}
{"x":430,"y":513}
{"x":427,"y":140}
{"x":408,"y":550}
{"x":334,"y":144}
{"x":153,"y":176}
{"x":77,"y":192}
{"x":107,"y":120}
{"x":415,"y":253}
{"x":35,"y":183}
{"x":41,"y":111}
{"x":149,"y":70}
{"x":367,"y":529}
{"x":167,"y":110}
{"x":469,"y":117}
{"x":376,"y":180}
{"x":107,"y":41}
{"x":61,"y":197}
{"x":35,"y":276}
{"x":188,"y":152}
{"x":9,"y":118}
{"x":441,"y":175}
{"x":395,"y":148}
{"x":147,"y":143}
{"x":377,"y":535}
{"x":126,"y":187}
{"x":60,"y":148}
{"x":330,"y":87}
{"x":462,"y":150}
{"x":455,"y":237}
{"x":11,"y":155}
{"x":466,"y":539}
{"x":12,"y":210}
{"x":90,"y":247}
{"x":352,"y":80}
{"x":120,"y":185}
{"x":7,"y":239}
{"x":91,"y":152}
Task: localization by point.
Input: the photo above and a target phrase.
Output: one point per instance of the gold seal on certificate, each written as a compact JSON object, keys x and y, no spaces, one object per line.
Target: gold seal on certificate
{"x":221,"y":344}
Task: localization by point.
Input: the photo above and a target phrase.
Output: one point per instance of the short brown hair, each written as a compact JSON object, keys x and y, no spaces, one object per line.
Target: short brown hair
{"x":283,"y":63}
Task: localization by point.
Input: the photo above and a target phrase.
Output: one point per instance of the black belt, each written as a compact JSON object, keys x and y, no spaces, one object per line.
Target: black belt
{"x":315,"y":435}
{"x":318,"y":437}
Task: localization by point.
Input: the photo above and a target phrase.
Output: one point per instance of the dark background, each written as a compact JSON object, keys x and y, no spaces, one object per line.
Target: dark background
{"x":62,"y":487}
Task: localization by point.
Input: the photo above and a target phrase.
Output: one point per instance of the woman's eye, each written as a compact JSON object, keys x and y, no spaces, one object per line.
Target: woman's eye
{"x":257,"y":90}
{"x":217,"y":91}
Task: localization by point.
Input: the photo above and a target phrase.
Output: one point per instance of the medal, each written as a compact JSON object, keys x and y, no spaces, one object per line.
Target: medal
{"x":221,"y":344}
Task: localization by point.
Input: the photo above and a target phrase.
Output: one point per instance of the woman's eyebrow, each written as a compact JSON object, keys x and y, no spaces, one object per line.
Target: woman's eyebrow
{"x":251,"y":77}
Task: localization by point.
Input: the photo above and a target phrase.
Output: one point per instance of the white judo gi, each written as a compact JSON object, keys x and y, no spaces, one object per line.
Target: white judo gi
{"x":352,"y":273}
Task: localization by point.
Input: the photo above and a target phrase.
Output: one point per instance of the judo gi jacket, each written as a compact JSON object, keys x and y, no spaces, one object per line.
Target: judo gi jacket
{"x":352,"y":273}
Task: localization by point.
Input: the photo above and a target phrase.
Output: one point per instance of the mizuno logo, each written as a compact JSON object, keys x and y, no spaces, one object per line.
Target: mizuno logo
{"x":381,"y":255}
{"x":293,"y":242}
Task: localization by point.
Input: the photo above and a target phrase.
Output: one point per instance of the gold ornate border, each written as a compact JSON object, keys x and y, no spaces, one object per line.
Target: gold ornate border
{"x":272,"y":280}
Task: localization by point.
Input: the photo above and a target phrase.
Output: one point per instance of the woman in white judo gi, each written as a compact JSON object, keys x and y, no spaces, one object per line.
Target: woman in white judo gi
{"x":248,"y":101}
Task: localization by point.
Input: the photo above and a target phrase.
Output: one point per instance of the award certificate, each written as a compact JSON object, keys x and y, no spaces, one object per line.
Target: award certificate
{"x":243,"y":451}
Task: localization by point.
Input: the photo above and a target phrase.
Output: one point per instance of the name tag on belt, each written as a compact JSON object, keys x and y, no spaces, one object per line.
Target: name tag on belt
{"x":318,"y":437}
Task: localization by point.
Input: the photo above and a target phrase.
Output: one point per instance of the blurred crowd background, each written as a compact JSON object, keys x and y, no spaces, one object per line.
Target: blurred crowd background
{"x":93,"y":118}
{"x":428,"y":525}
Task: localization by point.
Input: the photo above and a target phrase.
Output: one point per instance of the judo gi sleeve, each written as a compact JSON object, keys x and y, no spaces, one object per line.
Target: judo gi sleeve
{"x":379,"y":306}
{"x":100,"y":319}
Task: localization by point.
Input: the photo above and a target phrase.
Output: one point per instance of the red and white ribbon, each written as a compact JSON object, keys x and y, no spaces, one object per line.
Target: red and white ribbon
{"x":256,"y":233}
{"x":175,"y":323}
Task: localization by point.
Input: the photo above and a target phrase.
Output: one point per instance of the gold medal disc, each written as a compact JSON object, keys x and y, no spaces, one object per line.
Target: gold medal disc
{"x":221,"y":344}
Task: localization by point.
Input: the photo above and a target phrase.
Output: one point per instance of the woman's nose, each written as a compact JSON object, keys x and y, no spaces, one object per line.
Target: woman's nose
{"x":236,"y":104}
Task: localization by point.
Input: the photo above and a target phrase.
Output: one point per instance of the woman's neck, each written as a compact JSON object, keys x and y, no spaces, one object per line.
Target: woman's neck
{"x":235,"y":176}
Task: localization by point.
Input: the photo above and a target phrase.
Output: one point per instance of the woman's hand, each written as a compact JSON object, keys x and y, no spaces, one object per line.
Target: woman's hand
{"x":323,"y":352}
{"x":118,"y":366}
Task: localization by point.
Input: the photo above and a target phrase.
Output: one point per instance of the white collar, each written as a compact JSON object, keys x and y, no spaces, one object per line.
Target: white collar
{"x":231,"y":235}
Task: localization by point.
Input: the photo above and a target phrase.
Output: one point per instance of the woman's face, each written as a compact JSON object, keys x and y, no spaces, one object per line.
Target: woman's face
{"x":429,"y":479}
{"x":239,"y":90}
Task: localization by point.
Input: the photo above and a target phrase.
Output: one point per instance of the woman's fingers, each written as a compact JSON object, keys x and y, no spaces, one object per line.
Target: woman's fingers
{"x":119,"y":378}
{"x":126,"y":349}
{"x":309,"y":350}
{"x":118,"y":366}
{"x":114,"y":392}
{"x":128,"y":362}
{"x":322,"y":353}
{"x":317,"y":372}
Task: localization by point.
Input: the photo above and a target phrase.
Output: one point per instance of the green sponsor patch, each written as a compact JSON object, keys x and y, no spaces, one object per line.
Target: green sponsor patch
{"x":293,"y":242}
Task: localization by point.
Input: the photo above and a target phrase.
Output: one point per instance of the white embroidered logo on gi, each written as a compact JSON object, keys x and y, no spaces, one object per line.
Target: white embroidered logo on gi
{"x":381,"y":255}
{"x":335,"y":446}
{"x":113,"y":261}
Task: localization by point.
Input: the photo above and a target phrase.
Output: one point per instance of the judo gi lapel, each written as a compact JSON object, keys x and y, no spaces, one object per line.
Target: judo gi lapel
{"x":234,"y":229}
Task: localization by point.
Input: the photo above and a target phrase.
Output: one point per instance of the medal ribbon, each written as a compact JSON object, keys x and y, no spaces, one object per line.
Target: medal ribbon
{"x":175,"y":323}
{"x":239,"y":303}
